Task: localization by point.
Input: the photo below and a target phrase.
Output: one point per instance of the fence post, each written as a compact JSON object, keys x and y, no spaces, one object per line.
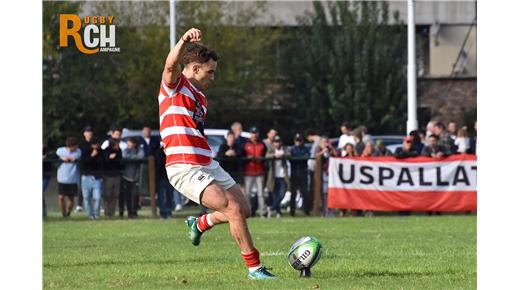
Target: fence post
{"x":318,"y":184}
{"x":151,"y":185}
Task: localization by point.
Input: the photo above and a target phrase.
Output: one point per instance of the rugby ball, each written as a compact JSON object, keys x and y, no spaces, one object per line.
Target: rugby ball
{"x":305,"y":253}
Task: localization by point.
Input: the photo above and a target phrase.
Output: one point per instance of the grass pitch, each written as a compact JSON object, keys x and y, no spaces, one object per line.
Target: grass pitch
{"x":416,"y":252}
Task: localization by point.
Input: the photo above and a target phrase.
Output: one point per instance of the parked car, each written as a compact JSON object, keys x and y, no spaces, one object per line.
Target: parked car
{"x":392,"y":142}
{"x":217,"y":137}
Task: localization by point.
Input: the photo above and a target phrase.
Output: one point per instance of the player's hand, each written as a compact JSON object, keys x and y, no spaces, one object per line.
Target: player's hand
{"x":192,"y":35}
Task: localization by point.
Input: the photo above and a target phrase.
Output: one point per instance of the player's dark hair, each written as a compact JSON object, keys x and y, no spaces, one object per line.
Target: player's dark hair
{"x":198,"y":53}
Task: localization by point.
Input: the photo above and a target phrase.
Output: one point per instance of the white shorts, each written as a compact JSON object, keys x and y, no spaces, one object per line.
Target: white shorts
{"x":190,"y":180}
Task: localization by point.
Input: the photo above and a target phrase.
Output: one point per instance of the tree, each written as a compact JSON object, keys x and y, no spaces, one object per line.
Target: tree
{"x":122,"y":88}
{"x":350,"y":66}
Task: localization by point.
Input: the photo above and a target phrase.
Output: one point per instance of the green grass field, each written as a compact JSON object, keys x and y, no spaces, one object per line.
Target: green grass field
{"x":416,"y":252}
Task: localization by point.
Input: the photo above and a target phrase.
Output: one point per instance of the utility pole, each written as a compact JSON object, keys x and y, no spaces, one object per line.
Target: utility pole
{"x":172,"y":24}
{"x":411,"y":124}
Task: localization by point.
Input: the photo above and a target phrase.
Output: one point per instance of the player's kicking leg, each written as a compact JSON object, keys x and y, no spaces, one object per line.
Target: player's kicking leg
{"x":230,"y":207}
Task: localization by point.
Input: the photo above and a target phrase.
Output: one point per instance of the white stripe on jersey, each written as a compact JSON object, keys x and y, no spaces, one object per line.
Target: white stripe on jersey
{"x":180,"y":130}
{"x":187,"y":92}
{"x":176,"y":110}
{"x":187,"y":150}
{"x":167,"y":89}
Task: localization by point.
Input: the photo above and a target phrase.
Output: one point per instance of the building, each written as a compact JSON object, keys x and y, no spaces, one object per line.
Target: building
{"x":446,"y":48}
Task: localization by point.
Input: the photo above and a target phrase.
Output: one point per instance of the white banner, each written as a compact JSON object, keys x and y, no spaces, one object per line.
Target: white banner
{"x":455,"y":173}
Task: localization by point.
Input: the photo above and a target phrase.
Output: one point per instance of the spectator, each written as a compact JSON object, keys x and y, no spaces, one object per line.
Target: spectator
{"x":349,"y":150}
{"x":407,"y":149}
{"x":325,"y":152}
{"x":149,"y":143}
{"x":314,"y":138}
{"x":112,"y":167}
{"x":434,"y":149}
{"x":473,"y":142}
{"x":229,"y":155}
{"x":422,"y":137}
{"x":381,"y":149}
{"x":358,"y":138}
{"x":84,"y":146}
{"x":241,"y":141}
{"x":417,"y":144}
{"x":130,"y":178}
{"x":270,"y":139}
{"x":68,"y":175}
{"x":368,"y":151}
{"x":462,"y":141}
{"x":166,"y":194}
{"x":444,"y":138}
{"x":236,"y":128}
{"x":278,"y":177}
{"x":430,"y":130}
{"x":91,"y":176}
{"x":452,"y":130}
{"x":346,"y":135}
{"x":365,"y":137}
{"x":299,"y":176}
{"x":47,"y":174}
{"x":254,"y":170}
{"x":115,"y":134}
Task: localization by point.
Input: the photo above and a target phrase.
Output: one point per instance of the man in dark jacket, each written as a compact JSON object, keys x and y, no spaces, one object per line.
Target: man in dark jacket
{"x":229,"y":155}
{"x":112,"y":167}
{"x":407,"y":150}
{"x":149,"y":143}
{"x":91,"y":176}
{"x":434,"y":149}
{"x":299,"y":175}
{"x":130,"y":177}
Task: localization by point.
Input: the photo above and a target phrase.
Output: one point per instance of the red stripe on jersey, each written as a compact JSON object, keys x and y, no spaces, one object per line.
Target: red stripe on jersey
{"x":177,"y":120}
{"x":187,"y":159}
{"x":187,"y":140}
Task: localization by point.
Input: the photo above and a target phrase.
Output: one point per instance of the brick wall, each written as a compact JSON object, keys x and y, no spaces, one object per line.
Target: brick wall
{"x":445,"y":104}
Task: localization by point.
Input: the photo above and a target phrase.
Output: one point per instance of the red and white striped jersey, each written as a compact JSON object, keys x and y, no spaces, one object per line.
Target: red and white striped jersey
{"x":182,"y":112}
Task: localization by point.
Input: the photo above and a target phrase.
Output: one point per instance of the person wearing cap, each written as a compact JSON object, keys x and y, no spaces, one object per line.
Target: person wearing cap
{"x":406,"y":150}
{"x":278,"y":176}
{"x":380,"y":149}
{"x":299,"y":176}
{"x":255,"y":149}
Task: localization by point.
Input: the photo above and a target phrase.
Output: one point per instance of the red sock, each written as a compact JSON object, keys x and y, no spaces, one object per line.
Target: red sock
{"x":252,"y":258}
{"x":204,"y":223}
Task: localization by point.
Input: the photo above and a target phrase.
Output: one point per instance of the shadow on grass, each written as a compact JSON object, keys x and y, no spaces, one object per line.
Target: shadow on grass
{"x":386,"y":273}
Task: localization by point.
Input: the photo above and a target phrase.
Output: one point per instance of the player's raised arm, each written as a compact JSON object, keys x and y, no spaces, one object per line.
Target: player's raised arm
{"x":172,"y":68}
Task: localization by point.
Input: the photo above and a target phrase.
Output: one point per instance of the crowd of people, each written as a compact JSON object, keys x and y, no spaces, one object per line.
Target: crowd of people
{"x":104,"y":174}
